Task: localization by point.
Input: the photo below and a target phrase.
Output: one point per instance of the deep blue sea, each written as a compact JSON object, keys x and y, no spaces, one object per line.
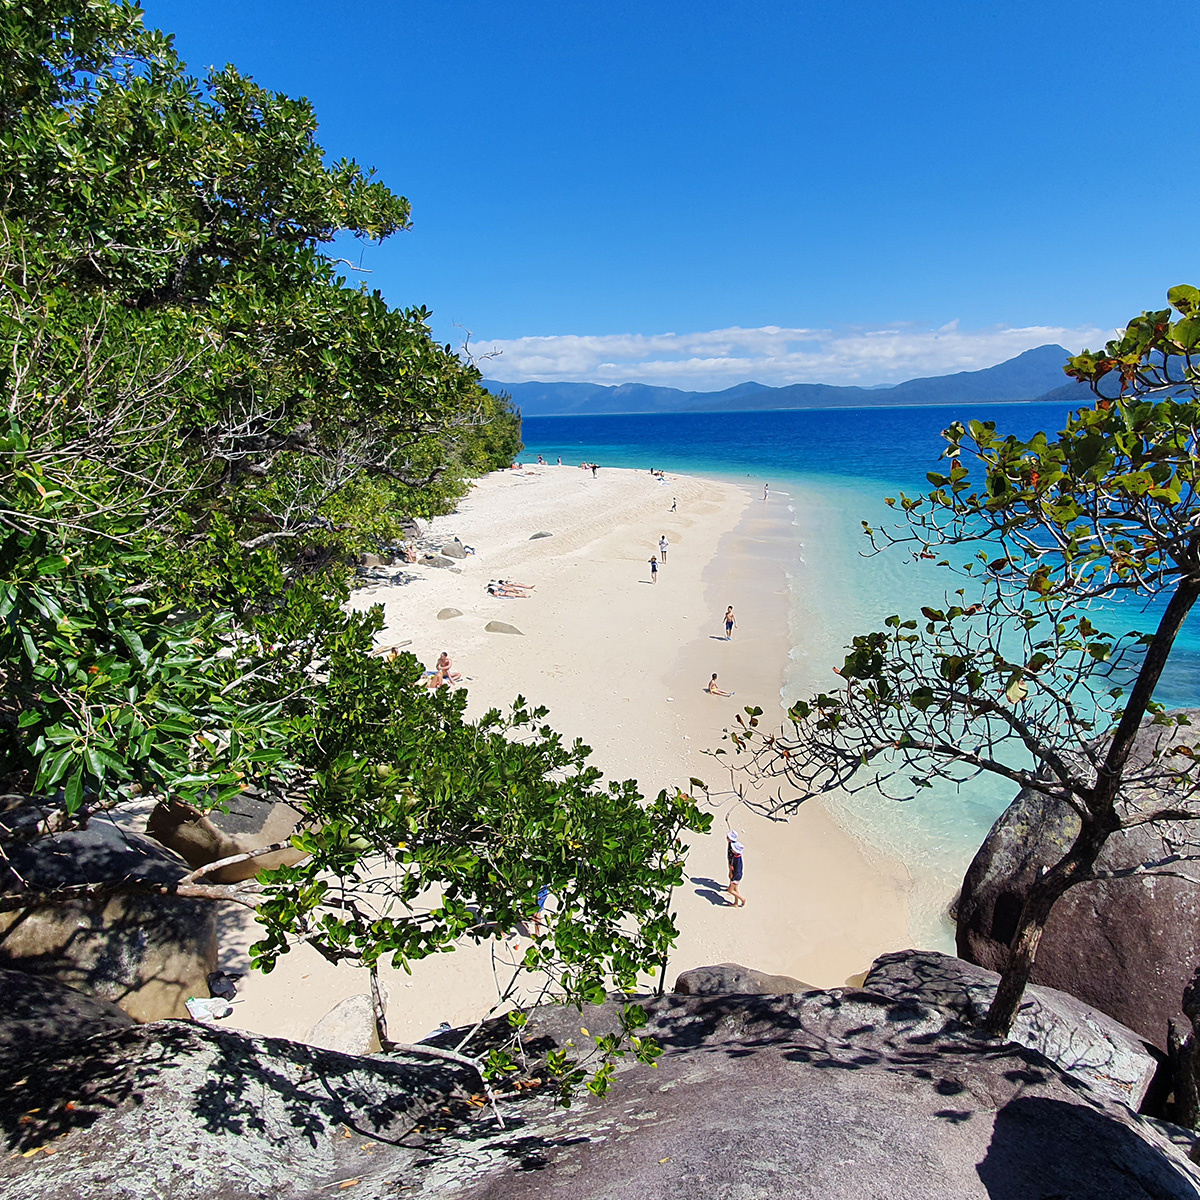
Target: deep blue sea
{"x":832,"y":468}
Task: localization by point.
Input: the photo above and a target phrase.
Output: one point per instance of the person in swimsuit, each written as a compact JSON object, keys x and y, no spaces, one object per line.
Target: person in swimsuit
{"x":733,"y":854}
{"x":713,"y":690}
{"x":730,"y":623}
{"x":444,"y":666}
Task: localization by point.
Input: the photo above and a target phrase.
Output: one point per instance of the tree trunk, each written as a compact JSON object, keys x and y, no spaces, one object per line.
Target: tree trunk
{"x":1104,"y":820}
{"x":1022,"y":953}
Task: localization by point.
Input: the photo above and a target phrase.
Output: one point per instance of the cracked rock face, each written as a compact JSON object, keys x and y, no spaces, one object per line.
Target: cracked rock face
{"x":822,"y":1095}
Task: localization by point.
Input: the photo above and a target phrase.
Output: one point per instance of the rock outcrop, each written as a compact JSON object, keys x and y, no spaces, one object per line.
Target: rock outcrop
{"x":187,"y":1112}
{"x":43,"y":1013}
{"x":826,"y":1094}
{"x":145,"y":953}
{"x":731,"y":979}
{"x":348,"y":1027}
{"x":1078,"y":1039}
{"x":502,"y":627}
{"x":1127,"y":947}
{"x":252,"y":822}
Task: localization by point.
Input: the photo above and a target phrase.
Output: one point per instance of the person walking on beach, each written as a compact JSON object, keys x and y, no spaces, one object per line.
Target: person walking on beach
{"x":730,"y":623}
{"x":733,"y":854}
{"x":674,"y":504}
{"x":766,"y":491}
{"x":653,"y":569}
{"x":593,"y":470}
{"x":662,"y":547}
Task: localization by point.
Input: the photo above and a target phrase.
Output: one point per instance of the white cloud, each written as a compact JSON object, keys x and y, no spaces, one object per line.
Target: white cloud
{"x":720,"y":358}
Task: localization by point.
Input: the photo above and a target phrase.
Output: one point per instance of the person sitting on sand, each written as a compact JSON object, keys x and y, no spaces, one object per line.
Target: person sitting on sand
{"x":713,"y":690}
{"x":445,"y":667}
{"x":408,"y":554}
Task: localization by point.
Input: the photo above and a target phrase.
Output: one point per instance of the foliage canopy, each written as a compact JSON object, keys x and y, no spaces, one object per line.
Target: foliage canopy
{"x":204,"y":424}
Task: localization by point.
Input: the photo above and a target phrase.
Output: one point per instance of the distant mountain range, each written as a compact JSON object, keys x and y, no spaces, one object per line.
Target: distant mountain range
{"x":1035,"y":375}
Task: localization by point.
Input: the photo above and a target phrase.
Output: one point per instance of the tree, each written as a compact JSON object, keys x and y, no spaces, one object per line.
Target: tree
{"x":204,"y":423}
{"x":1008,"y":675}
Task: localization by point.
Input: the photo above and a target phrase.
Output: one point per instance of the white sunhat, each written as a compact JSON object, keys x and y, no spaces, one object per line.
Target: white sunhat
{"x":732,"y":835}
{"x":738,"y":847}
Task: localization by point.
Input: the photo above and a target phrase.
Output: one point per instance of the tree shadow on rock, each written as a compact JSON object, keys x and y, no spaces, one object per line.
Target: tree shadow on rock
{"x":1049,"y":1148}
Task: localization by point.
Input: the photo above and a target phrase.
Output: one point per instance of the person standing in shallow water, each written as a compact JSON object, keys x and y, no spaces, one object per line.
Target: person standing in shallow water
{"x":733,"y":853}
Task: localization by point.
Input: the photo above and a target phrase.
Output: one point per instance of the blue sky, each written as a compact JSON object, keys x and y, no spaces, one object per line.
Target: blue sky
{"x":697,"y":194}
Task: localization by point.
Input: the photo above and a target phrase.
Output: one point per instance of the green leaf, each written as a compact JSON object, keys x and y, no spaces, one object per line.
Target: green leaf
{"x":1185,"y":298}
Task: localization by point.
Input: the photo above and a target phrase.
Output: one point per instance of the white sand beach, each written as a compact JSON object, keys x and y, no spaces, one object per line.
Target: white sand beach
{"x":622,"y":663}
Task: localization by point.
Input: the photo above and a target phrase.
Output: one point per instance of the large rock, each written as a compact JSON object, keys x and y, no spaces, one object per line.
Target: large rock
{"x":1127,"y":947}
{"x":502,"y":627}
{"x":730,"y":979}
{"x":187,"y":1112}
{"x":454,"y":550}
{"x":1077,"y":1038}
{"x":145,"y":953}
{"x":41,"y":1012}
{"x":812,"y":1097}
{"x":348,"y":1027}
{"x":252,"y":822}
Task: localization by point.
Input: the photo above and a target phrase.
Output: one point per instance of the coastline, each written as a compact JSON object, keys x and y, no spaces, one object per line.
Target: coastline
{"x":622,"y":663}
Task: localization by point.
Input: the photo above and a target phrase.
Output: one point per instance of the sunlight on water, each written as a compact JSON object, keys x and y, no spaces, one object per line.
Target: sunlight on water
{"x":832,"y":469}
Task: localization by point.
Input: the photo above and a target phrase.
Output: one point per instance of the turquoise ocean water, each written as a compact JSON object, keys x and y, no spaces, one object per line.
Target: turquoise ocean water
{"x":832,"y":468}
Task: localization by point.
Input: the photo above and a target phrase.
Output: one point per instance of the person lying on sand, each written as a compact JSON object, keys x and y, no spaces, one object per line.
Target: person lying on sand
{"x":498,"y":587}
{"x":713,"y":690}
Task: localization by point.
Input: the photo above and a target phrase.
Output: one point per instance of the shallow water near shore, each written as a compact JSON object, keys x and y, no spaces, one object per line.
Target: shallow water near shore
{"x":831,"y":470}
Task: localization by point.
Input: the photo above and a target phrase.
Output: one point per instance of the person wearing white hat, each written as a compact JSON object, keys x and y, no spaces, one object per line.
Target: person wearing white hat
{"x":734,"y":855}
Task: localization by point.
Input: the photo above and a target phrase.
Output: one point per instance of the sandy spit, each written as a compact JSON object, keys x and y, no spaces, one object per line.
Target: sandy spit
{"x":622,"y":663}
